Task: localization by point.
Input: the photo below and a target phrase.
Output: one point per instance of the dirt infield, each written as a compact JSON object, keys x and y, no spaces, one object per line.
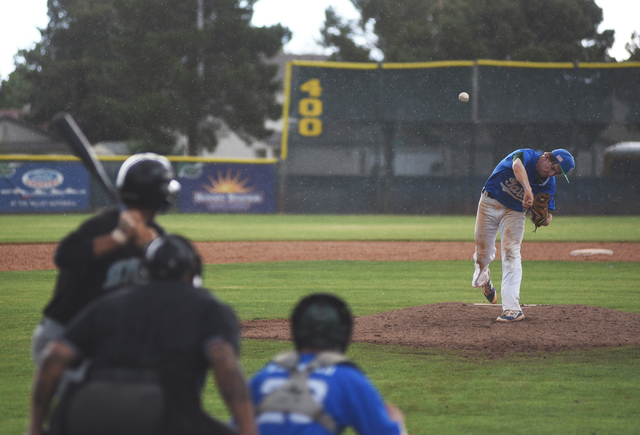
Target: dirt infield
{"x":40,"y":256}
{"x":455,"y":326}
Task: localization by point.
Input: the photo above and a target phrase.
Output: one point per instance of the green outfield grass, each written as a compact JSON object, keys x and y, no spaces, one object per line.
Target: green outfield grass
{"x":594,"y":391}
{"x":577,"y":392}
{"x":51,"y":228}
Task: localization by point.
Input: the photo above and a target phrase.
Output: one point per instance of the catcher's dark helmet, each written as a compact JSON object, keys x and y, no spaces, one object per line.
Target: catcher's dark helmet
{"x":146,"y":180}
{"x":321,"y":321}
{"x":172,"y":257}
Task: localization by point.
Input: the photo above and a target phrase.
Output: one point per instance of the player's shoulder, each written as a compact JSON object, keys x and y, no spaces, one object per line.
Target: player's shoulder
{"x":207,"y":298}
{"x":108,"y":302}
{"x":101,"y":221}
{"x":529,"y":155}
{"x":108,"y":214}
{"x":198,"y":295}
{"x":343,"y":373}
{"x":204,"y":294}
{"x":525,"y":155}
{"x":349,"y":369}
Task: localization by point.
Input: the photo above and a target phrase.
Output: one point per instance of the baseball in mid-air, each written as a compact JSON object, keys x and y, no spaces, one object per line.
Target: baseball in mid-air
{"x":463,"y":97}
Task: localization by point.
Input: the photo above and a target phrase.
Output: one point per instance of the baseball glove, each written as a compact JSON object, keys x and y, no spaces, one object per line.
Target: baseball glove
{"x":540,"y":209}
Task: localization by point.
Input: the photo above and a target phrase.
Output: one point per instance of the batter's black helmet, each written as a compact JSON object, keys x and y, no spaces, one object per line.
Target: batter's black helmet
{"x":146,"y":180}
{"x":321,"y":321}
{"x":172,"y":257}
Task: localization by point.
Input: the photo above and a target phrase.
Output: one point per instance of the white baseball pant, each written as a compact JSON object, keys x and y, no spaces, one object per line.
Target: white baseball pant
{"x":492,"y":217}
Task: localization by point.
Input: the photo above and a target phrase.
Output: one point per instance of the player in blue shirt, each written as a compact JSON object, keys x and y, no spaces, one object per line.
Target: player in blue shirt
{"x":316,"y":390}
{"x":506,"y":198}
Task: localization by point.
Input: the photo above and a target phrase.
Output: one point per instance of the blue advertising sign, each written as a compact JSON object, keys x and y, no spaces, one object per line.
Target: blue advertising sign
{"x":227,"y":188}
{"x":42,"y":187}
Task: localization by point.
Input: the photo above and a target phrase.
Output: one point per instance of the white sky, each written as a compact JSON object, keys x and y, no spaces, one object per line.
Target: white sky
{"x":20,"y":20}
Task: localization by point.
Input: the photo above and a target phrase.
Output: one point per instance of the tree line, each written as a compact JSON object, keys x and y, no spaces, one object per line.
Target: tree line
{"x":150,"y":71}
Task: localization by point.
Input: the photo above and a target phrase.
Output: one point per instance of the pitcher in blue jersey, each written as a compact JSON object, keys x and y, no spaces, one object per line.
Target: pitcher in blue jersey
{"x":504,"y":203}
{"x":316,"y":390}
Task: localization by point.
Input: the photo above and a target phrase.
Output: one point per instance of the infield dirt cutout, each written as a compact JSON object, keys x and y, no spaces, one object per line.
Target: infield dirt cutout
{"x":457,"y":326}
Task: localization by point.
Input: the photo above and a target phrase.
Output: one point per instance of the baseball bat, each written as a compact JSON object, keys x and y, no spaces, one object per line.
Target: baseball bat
{"x":82,"y":149}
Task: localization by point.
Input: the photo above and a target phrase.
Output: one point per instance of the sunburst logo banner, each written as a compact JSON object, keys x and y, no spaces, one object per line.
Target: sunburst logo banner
{"x":227,"y":187}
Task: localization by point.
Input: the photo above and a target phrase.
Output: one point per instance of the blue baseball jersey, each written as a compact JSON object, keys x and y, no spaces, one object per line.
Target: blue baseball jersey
{"x":505,"y":187}
{"x":344,"y":392}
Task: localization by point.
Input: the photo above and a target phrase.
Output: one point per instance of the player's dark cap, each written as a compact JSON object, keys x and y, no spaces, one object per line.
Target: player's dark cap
{"x":565,"y":161}
{"x":147,"y":180}
{"x":321,"y":321}
{"x":172,"y":257}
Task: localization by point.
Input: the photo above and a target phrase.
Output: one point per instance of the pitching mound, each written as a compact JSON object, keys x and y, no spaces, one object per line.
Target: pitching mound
{"x":473,"y":328}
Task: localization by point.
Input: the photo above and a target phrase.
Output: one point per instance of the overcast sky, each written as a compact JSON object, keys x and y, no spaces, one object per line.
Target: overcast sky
{"x":20,"y":20}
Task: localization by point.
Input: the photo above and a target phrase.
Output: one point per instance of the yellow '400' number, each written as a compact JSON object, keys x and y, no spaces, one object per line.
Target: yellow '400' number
{"x":310,"y":108}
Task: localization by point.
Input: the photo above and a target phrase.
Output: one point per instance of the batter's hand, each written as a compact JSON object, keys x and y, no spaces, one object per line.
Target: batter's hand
{"x":129,"y":221}
{"x":134,"y":226}
{"x":528,"y":199}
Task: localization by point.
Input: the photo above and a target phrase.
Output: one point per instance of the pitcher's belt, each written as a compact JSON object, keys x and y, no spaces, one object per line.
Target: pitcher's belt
{"x":487,"y":194}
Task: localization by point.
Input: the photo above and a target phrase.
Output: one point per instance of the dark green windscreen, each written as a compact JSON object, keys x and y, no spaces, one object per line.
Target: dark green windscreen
{"x":425,"y":94}
{"x":508,"y":94}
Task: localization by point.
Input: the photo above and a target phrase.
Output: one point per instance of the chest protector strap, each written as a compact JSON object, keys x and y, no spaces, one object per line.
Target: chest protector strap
{"x":295,"y":396}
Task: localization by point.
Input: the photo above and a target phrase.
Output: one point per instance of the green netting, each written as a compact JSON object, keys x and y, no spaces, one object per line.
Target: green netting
{"x":504,"y":94}
{"x":607,"y":95}
{"x":425,"y":94}
{"x":523,"y":94}
{"x":345,"y":94}
{"x":394,"y":138}
{"x":526,"y":105}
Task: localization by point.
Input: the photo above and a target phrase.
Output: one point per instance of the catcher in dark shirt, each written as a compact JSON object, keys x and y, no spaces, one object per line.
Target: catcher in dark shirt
{"x":146,"y":186}
{"x":150,"y":346}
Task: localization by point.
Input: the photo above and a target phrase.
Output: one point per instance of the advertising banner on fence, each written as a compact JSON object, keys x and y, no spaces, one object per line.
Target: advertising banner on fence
{"x":227,"y":187}
{"x":42,"y":187}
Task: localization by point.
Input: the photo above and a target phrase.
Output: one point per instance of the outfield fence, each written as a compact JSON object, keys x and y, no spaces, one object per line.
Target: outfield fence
{"x":369,"y":138}
{"x":393,"y":138}
{"x":60,"y":184}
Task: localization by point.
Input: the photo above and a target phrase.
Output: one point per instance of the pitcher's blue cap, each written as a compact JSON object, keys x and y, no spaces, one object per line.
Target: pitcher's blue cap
{"x":565,"y":161}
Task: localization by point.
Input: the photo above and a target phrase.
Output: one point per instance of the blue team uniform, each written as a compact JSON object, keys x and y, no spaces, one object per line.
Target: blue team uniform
{"x":505,"y":187}
{"x":345,"y":393}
